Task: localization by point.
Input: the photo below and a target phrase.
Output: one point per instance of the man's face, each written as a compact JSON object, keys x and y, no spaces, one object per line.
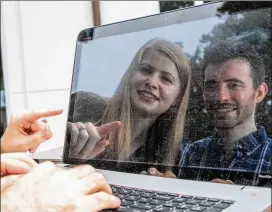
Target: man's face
{"x":229,"y":95}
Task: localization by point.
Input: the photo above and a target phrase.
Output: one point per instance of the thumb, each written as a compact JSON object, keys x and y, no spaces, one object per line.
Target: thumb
{"x":154,"y":172}
{"x":7,"y":181}
{"x":170,"y":174}
{"x":32,"y":141}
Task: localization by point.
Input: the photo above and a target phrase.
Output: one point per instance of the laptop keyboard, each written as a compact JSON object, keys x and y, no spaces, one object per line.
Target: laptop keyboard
{"x":138,"y":200}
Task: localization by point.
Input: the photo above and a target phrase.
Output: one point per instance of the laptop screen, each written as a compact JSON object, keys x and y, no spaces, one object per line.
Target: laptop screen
{"x":186,"y":91}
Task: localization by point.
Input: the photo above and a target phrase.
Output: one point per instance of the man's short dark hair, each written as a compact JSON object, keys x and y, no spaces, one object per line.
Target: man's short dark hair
{"x":221,"y":52}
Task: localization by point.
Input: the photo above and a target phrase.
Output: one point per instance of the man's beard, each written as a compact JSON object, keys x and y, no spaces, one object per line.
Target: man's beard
{"x":242,"y":114}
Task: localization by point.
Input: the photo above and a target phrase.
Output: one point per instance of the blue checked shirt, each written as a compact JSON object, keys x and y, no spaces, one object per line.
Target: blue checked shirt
{"x":252,"y":154}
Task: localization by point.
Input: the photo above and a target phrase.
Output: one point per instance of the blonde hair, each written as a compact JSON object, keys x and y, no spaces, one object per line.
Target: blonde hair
{"x":119,"y":108}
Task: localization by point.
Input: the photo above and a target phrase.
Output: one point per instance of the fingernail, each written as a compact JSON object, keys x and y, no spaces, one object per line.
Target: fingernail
{"x":152,"y":171}
{"x":44,"y":120}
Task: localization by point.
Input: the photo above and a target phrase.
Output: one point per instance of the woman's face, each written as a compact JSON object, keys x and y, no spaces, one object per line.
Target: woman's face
{"x":155,"y":85}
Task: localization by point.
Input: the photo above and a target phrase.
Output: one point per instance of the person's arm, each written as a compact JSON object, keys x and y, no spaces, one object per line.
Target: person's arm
{"x":26,"y":131}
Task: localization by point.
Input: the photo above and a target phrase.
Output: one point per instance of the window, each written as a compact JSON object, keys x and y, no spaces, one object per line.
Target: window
{"x":173,"y":5}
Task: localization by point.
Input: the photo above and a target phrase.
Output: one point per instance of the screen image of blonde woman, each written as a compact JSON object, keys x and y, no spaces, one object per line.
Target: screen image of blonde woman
{"x":144,"y":119}
{"x":193,"y":95}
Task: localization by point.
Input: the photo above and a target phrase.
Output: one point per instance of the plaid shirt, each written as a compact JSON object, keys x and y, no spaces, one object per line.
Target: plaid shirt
{"x":252,"y":154}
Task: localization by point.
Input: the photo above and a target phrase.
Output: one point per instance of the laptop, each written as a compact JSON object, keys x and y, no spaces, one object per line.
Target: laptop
{"x":103,"y":55}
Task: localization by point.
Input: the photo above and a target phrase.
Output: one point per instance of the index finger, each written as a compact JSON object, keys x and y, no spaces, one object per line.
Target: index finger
{"x":35,"y":115}
{"x":107,"y":128}
{"x":169,"y":174}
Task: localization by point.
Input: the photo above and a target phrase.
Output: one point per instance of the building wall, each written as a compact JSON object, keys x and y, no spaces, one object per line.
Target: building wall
{"x":115,"y":11}
{"x":38,"y":43}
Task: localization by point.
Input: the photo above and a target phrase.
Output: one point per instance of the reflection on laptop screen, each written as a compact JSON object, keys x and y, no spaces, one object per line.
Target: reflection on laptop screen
{"x":192,"y":97}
